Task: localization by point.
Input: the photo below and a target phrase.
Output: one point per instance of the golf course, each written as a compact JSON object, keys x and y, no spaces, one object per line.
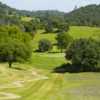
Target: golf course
{"x":49,"y":50}
{"x":35,"y":80}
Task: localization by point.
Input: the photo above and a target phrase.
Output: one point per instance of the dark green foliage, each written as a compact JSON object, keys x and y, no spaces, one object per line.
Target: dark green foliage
{"x":28,"y":27}
{"x":63,"y":40}
{"x":44,"y":45}
{"x":49,"y":27}
{"x":63,"y":27}
{"x":14,"y":45}
{"x":87,"y":16}
{"x":84,"y":54}
{"x":12,"y":50}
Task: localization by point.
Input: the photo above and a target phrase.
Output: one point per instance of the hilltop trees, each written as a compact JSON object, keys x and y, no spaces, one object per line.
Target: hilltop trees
{"x":84,"y":54}
{"x":84,"y":16}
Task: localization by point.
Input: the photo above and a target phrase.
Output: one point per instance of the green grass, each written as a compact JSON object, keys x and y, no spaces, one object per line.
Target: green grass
{"x":83,"y":31}
{"x":47,"y":61}
{"x":75,"y":31}
{"x":77,"y":86}
{"x":26,"y":19}
{"x":34,"y":79}
{"x":40,"y":35}
{"x":50,"y":60}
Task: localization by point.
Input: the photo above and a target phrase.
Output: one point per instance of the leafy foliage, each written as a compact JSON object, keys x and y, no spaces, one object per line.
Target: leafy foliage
{"x":87,"y":16}
{"x":84,"y":54}
{"x":14,"y":45}
{"x":63,"y":27}
{"x":63,"y":40}
{"x":44,"y":45}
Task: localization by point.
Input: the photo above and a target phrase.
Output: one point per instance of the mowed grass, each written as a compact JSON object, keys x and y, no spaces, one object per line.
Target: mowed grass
{"x":76,"y":86}
{"x":47,"y":61}
{"x":26,"y":19}
{"x":84,"y":32}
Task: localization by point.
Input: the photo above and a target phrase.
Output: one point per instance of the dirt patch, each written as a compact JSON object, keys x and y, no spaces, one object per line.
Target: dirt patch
{"x":18,"y":83}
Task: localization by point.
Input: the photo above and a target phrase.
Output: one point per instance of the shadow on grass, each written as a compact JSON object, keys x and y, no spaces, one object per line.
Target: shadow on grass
{"x":50,"y":52}
{"x":17,"y":68}
{"x":74,"y":69}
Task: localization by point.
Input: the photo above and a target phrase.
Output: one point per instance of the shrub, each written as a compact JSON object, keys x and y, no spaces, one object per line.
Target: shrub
{"x":44,"y":45}
{"x":84,"y":54}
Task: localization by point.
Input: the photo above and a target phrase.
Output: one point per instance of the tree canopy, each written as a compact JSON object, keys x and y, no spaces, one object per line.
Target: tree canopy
{"x":15,"y":46}
{"x":84,"y":54}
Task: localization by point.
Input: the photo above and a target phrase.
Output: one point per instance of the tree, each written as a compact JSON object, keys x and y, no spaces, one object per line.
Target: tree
{"x":44,"y":45}
{"x":63,"y":40}
{"x":14,"y":45}
{"x":13,"y":50}
{"x":63,"y":27}
{"x":49,"y":27}
{"x":30,"y":28}
{"x":84,"y":16}
{"x":84,"y":54}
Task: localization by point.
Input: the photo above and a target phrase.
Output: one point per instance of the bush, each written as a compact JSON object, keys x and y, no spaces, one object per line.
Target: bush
{"x":48,"y":28}
{"x":44,"y":45}
{"x":84,"y":54}
{"x":63,"y":40}
{"x":63,"y":27}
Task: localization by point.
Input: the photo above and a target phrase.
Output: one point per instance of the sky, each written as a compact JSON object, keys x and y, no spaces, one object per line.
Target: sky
{"x":61,"y":5}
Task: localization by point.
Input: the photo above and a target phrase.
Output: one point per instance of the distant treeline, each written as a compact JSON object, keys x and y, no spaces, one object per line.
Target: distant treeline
{"x":87,"y":16}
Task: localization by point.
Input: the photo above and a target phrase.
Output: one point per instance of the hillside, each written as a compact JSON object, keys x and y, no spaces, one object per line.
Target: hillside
{"x":10,"y":15}
{"x":84,"y":16}
{"x":88,"y":16}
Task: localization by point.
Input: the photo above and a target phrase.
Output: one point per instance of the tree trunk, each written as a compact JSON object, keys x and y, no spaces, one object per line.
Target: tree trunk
{"x":10,"y":64}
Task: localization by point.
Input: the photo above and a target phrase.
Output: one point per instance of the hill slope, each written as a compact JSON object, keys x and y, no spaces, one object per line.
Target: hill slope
{"x":88,"y":15}
{"x":9,"y":15}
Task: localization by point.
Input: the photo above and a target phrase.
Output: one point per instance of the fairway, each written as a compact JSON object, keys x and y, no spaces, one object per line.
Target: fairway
{"x":38,"y":85}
